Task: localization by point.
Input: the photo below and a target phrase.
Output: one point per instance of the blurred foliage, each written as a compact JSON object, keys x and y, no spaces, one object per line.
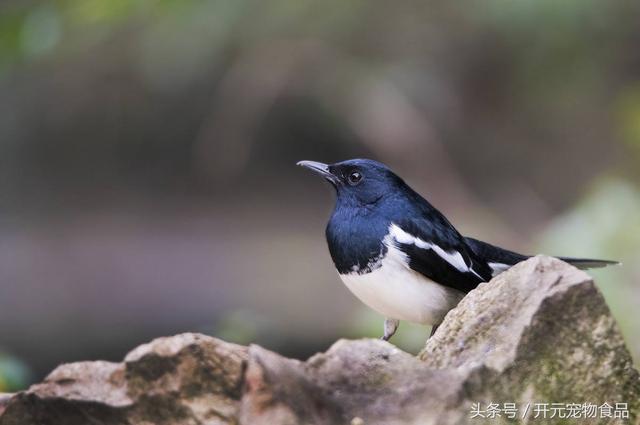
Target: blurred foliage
{"x":241,"y":326}
{"x":606,"y":224}
{"x":14,"y":375}
{"x":628,"y":117}
{"x":544,"y":65}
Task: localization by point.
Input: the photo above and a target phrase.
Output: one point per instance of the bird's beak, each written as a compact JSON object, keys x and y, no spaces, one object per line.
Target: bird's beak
{"x":320,"y":168}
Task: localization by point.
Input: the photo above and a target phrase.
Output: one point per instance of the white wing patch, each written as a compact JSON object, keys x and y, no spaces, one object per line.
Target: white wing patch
{"x":452,"y":257}
{"x":498,"y":268}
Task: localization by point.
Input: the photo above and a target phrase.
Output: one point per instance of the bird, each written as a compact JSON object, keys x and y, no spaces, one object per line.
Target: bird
{"x":398,"y":254}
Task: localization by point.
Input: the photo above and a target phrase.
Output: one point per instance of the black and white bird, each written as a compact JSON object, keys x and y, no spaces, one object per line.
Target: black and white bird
{"x":398,"y":254}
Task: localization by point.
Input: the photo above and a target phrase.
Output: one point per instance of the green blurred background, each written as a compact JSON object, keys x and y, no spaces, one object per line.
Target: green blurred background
{"x":147,"y":151}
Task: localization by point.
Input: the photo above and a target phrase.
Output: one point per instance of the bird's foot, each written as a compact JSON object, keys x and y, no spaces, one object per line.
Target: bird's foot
{"x":390,"y":327}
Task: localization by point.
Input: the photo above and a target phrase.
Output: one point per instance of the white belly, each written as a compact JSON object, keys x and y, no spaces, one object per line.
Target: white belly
{"x":397,"y":292}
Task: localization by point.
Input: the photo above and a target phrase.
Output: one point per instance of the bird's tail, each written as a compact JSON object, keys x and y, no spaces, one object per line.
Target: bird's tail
{"x":588,"y":263}
{"x":502,"y":258}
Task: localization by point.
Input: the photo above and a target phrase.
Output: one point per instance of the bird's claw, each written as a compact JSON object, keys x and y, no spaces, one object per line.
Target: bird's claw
{"x":390,"y":327}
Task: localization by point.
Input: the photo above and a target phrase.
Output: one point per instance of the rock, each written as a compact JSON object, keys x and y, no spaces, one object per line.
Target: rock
{"x":4,"y":400}
{"x":367,"y":379}
{"x":539,"y":333}
{"x":185,"y":379}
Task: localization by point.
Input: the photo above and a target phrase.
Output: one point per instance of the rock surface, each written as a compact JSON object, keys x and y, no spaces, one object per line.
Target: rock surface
{"x":539,"y":333}
{"x":185,"y":379}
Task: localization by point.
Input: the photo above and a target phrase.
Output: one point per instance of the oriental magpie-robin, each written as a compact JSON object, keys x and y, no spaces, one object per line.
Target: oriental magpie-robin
{"x":398,"y":254}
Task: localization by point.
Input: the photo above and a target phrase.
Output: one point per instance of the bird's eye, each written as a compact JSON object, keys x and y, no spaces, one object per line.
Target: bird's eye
{"x":354,"y":178}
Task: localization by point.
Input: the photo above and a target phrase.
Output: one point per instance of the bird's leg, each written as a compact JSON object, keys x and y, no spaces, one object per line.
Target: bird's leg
{"x":390,"y":327}
{"x":434,"y":328}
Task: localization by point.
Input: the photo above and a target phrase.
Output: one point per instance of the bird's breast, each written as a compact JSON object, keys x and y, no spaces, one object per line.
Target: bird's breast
{"x":390,"y":287}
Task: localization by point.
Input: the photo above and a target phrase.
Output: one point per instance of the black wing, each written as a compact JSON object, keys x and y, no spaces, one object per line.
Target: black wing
{"x":436,"y":250}
{"x":500,"y":259}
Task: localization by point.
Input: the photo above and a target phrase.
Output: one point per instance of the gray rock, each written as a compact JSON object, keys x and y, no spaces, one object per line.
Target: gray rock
{"x":368,"y":380}
{"x":185,"y":379}
{"x":539,"y":333}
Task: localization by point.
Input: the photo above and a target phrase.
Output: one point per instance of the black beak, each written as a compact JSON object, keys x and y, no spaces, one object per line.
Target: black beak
{"x":320,"y":168}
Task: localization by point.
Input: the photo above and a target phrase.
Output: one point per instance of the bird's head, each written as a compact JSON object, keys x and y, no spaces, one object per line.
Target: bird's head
{"x":358,"y":182}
